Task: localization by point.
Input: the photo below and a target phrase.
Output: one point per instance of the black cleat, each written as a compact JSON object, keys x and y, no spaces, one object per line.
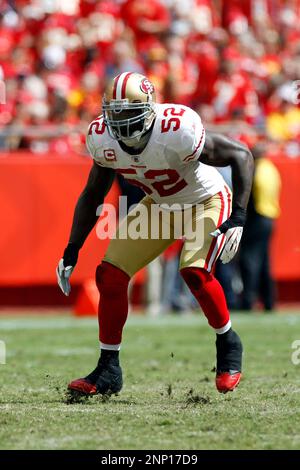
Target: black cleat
{"x":106,"y":378}
{"x":229,"y":361}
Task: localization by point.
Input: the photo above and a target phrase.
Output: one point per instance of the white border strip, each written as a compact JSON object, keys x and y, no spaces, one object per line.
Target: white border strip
{"x":221,"y":331}
{"x":110,"y":347}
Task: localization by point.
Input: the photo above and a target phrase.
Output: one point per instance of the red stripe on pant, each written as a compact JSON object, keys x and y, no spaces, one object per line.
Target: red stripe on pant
{"x":214,"y":241}
{"x":112,"y":283}
{"x":209,"y":294}
{"x":222,"y":242}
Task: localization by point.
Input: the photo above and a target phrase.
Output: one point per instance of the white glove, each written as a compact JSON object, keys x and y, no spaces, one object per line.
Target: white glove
{"x":63,"y":276}
{"x":232,"y":240}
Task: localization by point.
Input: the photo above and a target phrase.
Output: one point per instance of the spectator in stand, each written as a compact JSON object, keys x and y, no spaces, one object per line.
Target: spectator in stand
{"x":263,"y":210}
{"x":233,"y":89}
{"x":182,"y":73}
{"x":149,"y":22}
{"x":156,"y":65}
{"x":101,"y":24}
{"x":207,"y":59}
{"x":123,"y":58}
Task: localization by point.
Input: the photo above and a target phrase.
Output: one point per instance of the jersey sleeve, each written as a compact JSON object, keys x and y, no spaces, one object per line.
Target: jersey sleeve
{"x":191,"y":138}
{"x":93,"y":140}
{"x":89,"y":142}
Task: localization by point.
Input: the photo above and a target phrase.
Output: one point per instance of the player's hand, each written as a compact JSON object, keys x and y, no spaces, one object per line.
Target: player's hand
{"x":232,"y":240}
{"x":233,"y":230}
{"x":65,"y":268}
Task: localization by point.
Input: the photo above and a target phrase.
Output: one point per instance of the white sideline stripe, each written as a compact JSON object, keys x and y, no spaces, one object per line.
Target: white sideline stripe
{"x":73,"y":351}
{"x":110,"y":347}
{"x":119,"y":86}
{"x":142,"y":321}
{"x":221,"y":331}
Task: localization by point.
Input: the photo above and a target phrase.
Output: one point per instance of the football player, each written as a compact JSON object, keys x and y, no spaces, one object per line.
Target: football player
{"x":164,"y":149}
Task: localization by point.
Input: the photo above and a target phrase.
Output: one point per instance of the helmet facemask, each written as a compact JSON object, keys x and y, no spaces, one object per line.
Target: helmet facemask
{"x":127,"y":121}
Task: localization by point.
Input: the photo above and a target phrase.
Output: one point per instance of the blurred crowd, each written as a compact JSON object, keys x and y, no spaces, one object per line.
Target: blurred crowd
{"x":236,"y":62}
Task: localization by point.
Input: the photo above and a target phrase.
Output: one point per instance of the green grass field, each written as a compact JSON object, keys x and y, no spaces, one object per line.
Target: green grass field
{"x":169,"y":399}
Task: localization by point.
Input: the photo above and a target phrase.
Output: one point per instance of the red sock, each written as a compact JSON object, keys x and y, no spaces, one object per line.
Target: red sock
{"x":112,"y":283}
{"x":210,"y":295}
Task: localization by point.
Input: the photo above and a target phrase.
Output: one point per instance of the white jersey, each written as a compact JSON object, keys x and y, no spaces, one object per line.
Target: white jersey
{"x":169,"y":168}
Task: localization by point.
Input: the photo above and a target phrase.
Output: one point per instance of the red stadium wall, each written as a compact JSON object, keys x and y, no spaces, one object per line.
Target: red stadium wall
{"x":286,"y":240}
{"x":38,"y":194}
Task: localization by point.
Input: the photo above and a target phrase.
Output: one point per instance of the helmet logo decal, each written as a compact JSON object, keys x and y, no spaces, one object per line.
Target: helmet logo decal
{"x":146,"y":86}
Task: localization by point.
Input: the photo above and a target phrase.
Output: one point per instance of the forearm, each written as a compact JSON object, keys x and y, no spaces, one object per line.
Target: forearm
{"x":242,"y":175}
{"x":85,"y":214}
{"x":84,"y":219}
{"x":219,"y":151}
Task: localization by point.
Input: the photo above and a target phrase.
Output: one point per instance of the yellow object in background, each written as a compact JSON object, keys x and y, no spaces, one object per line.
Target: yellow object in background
{"x":284,"y":126}
{"x":266,"y":188}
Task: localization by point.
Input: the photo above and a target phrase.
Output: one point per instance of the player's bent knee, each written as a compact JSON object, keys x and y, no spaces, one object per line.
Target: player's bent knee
{"x":111,"y":279}
{"x":195,"y":277}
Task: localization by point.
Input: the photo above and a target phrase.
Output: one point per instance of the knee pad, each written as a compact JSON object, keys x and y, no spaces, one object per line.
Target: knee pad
{"x":110,"y":279}
{"x":195,"y":278}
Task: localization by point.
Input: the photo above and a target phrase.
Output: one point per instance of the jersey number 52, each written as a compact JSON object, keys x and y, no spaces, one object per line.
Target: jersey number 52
{"x":166,"y":182}
{"x":173,"y":119}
